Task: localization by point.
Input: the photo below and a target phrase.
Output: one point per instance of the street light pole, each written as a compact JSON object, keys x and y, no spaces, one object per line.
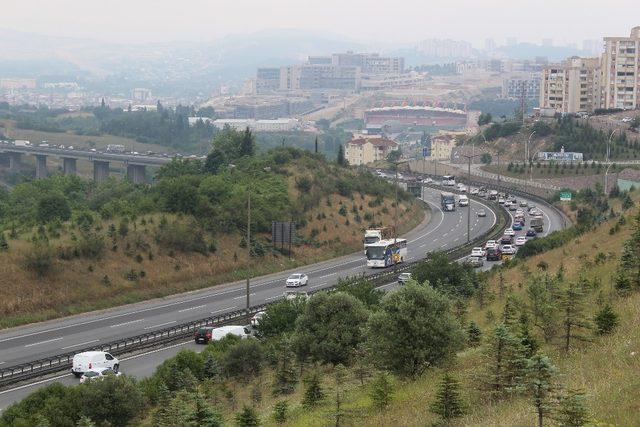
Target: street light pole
{"x":248,"y":247}
{"x":526,"y":149}
{"x":606,"y":173}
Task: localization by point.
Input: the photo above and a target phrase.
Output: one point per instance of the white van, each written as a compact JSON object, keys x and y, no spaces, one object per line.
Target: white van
{"x":91,"y":360}
{"x":207,"y":333}
{"x":463,"y":200}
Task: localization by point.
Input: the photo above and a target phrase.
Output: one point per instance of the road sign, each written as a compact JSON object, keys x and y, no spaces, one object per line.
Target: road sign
{"x":565,"y":196}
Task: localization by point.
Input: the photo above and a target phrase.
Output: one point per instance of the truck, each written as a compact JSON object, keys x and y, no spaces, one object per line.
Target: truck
{"x":463,"y":200}
{"x":21,"y":143}
{"x":536,"y":223}
{"x":115,"y":148}
{"x":448,"y":202}
{"x":374,"y":235}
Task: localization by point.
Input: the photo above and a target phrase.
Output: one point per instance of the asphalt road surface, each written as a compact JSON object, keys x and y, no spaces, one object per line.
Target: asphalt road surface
{"x":443,"y":231}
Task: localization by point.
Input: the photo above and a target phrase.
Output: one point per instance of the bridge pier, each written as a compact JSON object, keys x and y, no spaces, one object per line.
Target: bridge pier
{"x":136,"y":173}
{"x":41,"y":166}
{"x":69,"y":165}
{"x":15,"y":161}
{"x":100,"y":171}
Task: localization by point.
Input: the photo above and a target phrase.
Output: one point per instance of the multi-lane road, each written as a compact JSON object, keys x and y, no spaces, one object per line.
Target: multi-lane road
{"x":440,"y":231}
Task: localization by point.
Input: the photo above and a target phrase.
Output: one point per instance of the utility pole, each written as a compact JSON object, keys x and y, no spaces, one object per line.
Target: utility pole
{"x":248,"y":247}
{"x":522,"y":101}
{"x":606,"y":173}
{"x":469,"y":157}
{"x":395,"y":216}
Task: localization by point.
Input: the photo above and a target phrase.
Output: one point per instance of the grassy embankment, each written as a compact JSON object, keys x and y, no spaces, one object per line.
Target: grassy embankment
{"x":77,"y":285}
{"x":545,"y":171}
{"x":603,"y":368}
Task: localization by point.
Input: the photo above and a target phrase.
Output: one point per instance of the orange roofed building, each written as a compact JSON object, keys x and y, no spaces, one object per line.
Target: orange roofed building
{"x":362,"y":151}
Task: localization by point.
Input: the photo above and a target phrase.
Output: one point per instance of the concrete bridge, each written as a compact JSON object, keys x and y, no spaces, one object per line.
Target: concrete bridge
{"x":136,"y":163}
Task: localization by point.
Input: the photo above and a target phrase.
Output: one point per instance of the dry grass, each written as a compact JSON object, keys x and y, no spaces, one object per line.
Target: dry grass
{"x":79,"y":285}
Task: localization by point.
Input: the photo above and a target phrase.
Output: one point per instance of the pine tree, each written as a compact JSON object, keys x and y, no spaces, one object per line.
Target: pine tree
{"x":85,"y":421}
{"x":205,"y":416}
{"x":572,"y":410}
{"x":540,"y":378}
{"x":448,"y":403}
{"x":606,"y":320}
{"x":543,"y":306}
{"x":286,"y":376}
{"x":247,"y":145}
{"x":362,"y":363}
{"x":504,"y":363}
{"x":572,"y":305}
{"x":474,"y":334}
{"x":313,"y":393}
{"x":211,"y":367}
{"x":526,"y":338}
{"x":280,"y":411}
{"x":341,"y":159}
{"x":4,"y":245}
{"x":339,"y":376}
{"x":248,"y":417}
{"x":510,"y":313}
{"x":381,"y":391}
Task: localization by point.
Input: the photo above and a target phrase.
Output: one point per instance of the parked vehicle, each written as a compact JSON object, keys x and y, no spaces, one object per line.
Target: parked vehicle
{"x":494,"y":254}
{"x":98,"y":374}
{"x":404,"y":278}
{"x":210,"y":333}
{"x":297,"y":279}
{"x":92,"y":360}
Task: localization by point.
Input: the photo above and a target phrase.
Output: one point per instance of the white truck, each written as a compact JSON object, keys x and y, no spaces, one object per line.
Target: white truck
{"x":463,"y":200}
{"x":115,"y":148}
{"x":374,"y":235}
{"x":21,"y":143}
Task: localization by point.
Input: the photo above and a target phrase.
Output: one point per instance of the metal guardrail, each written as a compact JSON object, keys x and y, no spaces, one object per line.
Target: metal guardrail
{"x":37,"y":368}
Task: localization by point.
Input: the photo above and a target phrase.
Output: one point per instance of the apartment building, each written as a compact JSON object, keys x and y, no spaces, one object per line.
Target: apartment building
{"x":621,"y":71}
{"x":571,"y":86}
{"x":363,"y":150}
{"x":443,"y":142}
{"x":267,"y":80}
{"x":319,"y":76}
{"x":369,"y":63}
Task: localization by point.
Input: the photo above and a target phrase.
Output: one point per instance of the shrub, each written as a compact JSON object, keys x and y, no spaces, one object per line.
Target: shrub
{"x":39,"y":258}
{"x":182,"y":237}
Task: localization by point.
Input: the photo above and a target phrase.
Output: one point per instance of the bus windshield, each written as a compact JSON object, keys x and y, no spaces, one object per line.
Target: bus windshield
{"x":376,"y":252}
{"x":371,"y":239}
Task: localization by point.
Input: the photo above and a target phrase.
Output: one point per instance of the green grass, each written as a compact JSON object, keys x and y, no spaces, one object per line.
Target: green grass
{"x":549,"y":172}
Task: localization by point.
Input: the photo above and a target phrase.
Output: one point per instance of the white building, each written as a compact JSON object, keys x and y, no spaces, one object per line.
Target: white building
{"x":275,"y":125}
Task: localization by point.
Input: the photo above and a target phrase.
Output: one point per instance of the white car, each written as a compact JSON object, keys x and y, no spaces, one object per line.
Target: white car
{"x":627,"y":120}
{"x":295,"y":295}
{"x":501,"y":200}
{"x":477,"y":252}
{"x":509,"y":232}
{"x":508,"y":249}
{"x":482,"y":213}
{"x":98,"y":374}
{"x":255,"y":320}
{"x":490,"y":244}
{"x":297,"y":279}
{"x":474,"y":191}
{"x":521,"y":240}
{"x":92,"y":360}
{"x":523,"y":204}
{"x":404,"y":278}
{"x":427,"y":180}
{"x":462,"y":188}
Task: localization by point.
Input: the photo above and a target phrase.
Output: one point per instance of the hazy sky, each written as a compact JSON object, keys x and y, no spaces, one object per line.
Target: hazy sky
{"x":365,"y":20}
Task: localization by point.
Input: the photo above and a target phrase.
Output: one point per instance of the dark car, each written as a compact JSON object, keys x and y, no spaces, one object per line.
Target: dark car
{"x":494,"y":254}
{"x":506,"y":240}
{"x":203,"y":335}
{"x":531,"y":233}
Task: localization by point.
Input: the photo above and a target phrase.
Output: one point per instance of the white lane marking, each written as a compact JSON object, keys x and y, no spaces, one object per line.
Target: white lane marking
{"x":327,"y":275}
{"x":161,"y":324}
{"x":126,"y":323}
{"x":1,"y":363}
{"x":192,"y":308}
{"x":44,"y":342}
{"x":273,"y":297}
{"x":445,"y":234}
{"x":244,"y":296}
{"x":318,"y":285}
{"x":79,"y":344}
{"x":436,"y":227}
{"x":224,"y":309}
{"x":423,"y":245}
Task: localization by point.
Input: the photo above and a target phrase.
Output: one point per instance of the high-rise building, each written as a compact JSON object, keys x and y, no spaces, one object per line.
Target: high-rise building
{"x":621,"y":71}
{"x":267,"y":80}
{"x":571,"y":86}
{"x":307,"y":76}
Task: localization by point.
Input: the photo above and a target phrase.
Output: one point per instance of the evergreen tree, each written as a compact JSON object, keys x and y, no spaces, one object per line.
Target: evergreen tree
{"x":85,"y":421}
{"x":572,"y":410}
{"x":248,"y":417}
{"x":622,"y":283}
{"x":211,"y":367}
{"x":381,"y":391}
{"x":205,"y":416}
{"x":474,"y":334}
{"x":504,"y":363}
{"x":313,"y":393}
{"x":540,"y":376}
{"x":362,"y":363}
{"x":286,"y":376}
{"x":247,"y":145}
{"x":630,"y":258}
{"x":280,"y":411}
{"x":341,"y":160}
{"x":4,"y":245}
{"x":572,"y":306}
{"x":339,"y":376}
{"x":510,"y":313}
{"x":606,"y":320}
{"x":448,"y":403}
{"x":526,"y":338}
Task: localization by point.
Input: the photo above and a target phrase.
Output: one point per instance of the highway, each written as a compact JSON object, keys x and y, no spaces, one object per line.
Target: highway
{"x":441,"y":231}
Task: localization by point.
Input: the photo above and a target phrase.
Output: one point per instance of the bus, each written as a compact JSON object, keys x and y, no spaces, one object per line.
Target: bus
{"x":448,"y":201}
{"x":448,"y":180}
{"x":386,"y":252}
